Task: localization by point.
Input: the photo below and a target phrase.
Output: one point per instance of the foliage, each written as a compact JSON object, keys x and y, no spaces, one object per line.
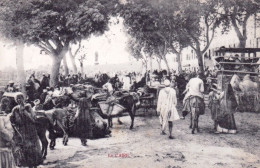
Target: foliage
{"x":53,"y":23}
{"x":236,"y":14}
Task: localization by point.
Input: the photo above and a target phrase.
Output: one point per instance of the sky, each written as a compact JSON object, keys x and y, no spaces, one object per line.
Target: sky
{"x":111,"y":48}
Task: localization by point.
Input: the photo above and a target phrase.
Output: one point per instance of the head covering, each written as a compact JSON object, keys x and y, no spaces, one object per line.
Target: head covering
{"x":247,"y":77}
{"x":167,"y":82}
{"x":18,"y":94}
{"x":11,"y":81}
{"x":36,"y":102}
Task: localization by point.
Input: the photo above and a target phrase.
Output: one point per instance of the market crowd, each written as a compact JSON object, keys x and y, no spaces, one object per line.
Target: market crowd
{"x":19,"y":140}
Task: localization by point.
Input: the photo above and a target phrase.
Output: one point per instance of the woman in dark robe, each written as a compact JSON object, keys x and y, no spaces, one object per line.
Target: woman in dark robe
{"x":226,"y":121}
{"x":27,"y":150}
{"x":83,"y":125}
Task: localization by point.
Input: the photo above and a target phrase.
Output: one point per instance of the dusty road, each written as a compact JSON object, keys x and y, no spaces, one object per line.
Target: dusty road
{"x":145,"y":147}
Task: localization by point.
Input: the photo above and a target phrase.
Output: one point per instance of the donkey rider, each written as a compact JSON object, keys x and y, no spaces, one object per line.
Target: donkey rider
{"x":195,"y":87}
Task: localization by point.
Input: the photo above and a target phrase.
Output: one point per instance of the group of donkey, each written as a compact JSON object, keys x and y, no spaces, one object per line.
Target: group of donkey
{"x":56,"y":115}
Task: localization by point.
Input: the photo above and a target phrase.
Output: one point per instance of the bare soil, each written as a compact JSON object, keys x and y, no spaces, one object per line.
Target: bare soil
{"x":145,"y":147}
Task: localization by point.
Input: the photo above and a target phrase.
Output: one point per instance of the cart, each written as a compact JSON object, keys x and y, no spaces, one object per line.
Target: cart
{"x":242,"y":62}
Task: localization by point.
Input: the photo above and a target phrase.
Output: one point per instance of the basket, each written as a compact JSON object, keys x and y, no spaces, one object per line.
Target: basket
{"x":117,"y":108}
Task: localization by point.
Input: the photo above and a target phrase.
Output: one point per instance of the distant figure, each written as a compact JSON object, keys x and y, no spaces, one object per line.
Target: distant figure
{"x":10,"y":87}
{"x":127,"y":83}
{"x":44,"y":82}
{"x":166,"y":105}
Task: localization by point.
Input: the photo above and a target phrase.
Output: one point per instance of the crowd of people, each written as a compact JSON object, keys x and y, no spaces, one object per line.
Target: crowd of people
{"x":19,"y":141}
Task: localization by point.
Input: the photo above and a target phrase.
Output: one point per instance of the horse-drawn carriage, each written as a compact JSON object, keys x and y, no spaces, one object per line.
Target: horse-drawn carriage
{"x":241,"y":70}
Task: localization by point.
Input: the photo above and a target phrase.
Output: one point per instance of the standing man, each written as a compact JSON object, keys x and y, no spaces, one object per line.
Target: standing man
{"x":44,"y":82}
{"x":195,"y":87}
{"x":166,"y":105}
{"x":127,"y":82}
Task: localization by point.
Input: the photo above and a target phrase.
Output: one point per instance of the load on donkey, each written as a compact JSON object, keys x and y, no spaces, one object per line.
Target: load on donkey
{"x":237,"y":87}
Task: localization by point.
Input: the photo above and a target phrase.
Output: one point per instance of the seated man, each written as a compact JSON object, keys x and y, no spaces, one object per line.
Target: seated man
{"x":195,"y":87}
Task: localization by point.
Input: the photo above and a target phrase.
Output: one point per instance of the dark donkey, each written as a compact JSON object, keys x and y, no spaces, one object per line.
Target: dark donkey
{"x":196,"y":107}
{"x":129,"y":103}
{"x":53,"y":121}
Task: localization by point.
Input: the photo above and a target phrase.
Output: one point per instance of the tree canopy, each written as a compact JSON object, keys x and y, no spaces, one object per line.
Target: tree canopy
{"x":53,"y":24}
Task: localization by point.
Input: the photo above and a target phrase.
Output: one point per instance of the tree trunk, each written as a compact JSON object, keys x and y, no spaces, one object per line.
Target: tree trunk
{"x":74,"y":67}
{"x":166,"y":62}
{"x":81,"y":68}
{"x":151,"y":64}
{"x":56,"y":66}
{"x":55,"y":71}
{"x":200,"y":61}
{"x":151,"y":69}
{"x":66,"y":69}
{"x":159,"y":64}
{"x":21,"y":76}
{"x":242,"y":43}
{"x":179,"y":63}
{"x":146,"y":75}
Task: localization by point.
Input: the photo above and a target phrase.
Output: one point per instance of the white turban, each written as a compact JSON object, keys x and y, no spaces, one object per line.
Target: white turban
{"x":167,"y":82}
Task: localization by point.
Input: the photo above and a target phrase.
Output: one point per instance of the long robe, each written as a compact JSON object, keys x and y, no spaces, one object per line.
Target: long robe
{"x":166,"y":105}
{"x":25,"y":137}
{"x":228,"y":104}
{"x":83,"y":125}
{"x":6,"y":135}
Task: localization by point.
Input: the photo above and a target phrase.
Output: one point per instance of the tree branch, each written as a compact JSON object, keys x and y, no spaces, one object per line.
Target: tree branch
{"x":77,"y":49}
{"x":234,"y":23}
{"x":44,"y":49}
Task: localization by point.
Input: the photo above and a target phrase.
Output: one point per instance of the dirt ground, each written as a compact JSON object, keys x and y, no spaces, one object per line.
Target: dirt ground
{"x":145,"y":147}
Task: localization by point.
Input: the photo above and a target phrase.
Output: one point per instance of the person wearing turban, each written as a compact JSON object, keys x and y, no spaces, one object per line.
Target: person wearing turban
{"x":166,"y":106}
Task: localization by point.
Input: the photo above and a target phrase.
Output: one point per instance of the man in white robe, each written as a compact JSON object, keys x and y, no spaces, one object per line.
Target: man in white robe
{"x":127,"y":83}
{"x":166,"y":106}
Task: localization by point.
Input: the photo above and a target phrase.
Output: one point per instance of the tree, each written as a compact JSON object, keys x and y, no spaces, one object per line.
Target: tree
{"x":200,"y":21}
{"x":135,"y":48}
{"x":155,"y":24}
{"x":66,"y":68}
{"x":140,"y":23}
{"x":12,"y":20}
{"x":73,"y":56}
{"x":170,"y":29}
{"x":53,"y":24}
{"x":81,"y":61}
{"x":237,"y":13}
